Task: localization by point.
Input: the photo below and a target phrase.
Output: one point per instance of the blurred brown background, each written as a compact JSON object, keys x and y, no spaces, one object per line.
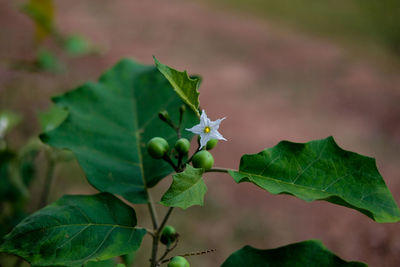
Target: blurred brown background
{"x":293,"y":70}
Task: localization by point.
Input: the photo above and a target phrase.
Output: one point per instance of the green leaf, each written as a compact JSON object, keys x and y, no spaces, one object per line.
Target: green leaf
{"x":52,"y":118}
{"x":321,"y":170}
{"x":310,"y":253}
{"x":48,"y":61}
{"x":110,"y":122}
{"x":185,"y":86}
{"x":106,"y":263}
{"x":128,"y":259}
{"x":76,"y":45}
{"x":74,"y":230}
{"x":8,"y":120}
{"x":187,"y":189}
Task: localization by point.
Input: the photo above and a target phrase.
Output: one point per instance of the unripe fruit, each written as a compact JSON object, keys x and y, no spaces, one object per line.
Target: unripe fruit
{"x":164,"y":116}
{"x":178,"y":261}
{"x":211,"y":144}
{"x":203,"y":159}
{"x":182,"y":146}
{"x":168,"y":235}
{"x":157,"y":147}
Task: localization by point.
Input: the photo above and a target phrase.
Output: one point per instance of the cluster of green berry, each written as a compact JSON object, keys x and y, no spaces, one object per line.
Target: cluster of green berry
{"x":158,"y":148}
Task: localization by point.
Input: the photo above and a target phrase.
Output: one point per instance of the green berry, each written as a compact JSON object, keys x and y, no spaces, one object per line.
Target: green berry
{"x":178,"y":261}
{"x":168,"y":235}
{"x":182,"y":146}
{"x":211,"y":144}
{"x":157,"y":147}
{"x":203,"y":159}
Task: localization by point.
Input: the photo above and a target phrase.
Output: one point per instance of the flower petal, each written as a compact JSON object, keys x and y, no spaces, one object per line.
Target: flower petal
{"x":214,"y":134}
{"x":197,"y":129}
{"x":204,"y":138}
{"x":204,"y":120}
{"x":215,"y":124}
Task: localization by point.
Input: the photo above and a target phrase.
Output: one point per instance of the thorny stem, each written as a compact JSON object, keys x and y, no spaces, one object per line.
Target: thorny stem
{"x":191,"y":254}
{"x":219,"y":170}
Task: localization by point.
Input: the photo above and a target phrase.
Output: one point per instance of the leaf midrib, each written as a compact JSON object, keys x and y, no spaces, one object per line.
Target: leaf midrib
{"x":86,"y":225}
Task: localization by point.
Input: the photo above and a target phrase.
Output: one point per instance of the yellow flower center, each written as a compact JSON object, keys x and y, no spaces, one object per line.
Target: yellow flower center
{"x":207,"y":129}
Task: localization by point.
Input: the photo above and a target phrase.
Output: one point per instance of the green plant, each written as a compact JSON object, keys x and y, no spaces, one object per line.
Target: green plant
{"x":203,"y":159}
{"x":157,"y":147}
{"x":178,"y":261}
{"x":168,"y":235}
{"x":107,"y":125}
{"x":182,"y":146}
{"x":211,"y":144}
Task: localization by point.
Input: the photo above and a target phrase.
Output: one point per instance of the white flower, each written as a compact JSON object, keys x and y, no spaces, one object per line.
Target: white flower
{"x":207,"y":129}
{"x":3,"y":126}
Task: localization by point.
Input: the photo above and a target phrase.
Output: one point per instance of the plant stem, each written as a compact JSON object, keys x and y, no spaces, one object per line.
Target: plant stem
{"x":219,"y":170}
{"x":190,"y":159}
{"x":191,"y":254}
{"x":18,"y":262}
{"x":168,"y":159}
{"x":153,"y":211}
{"x":47,"y":184}
{"x":178,"y":132}
{"x":165,"y":219}
{"x":167,"y":251}
{"x":154,"y":252}
{"x":154,"y":219}
{"x":156,"y":235}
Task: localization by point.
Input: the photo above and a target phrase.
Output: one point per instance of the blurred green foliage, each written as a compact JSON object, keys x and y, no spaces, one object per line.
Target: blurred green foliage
{"x":363,"y":21}
{"x":42,"y":13}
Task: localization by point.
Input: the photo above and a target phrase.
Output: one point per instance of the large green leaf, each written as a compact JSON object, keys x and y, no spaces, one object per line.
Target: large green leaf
{"x":74,"y":230}
{"x":52,"y":118}
{"x":110,"y":122}
{"x":310,"y":253}
{"x":185,"y":86}
{"x":106,"y":263}
{"x":187,"y":189}
{"x":321,"y":170}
